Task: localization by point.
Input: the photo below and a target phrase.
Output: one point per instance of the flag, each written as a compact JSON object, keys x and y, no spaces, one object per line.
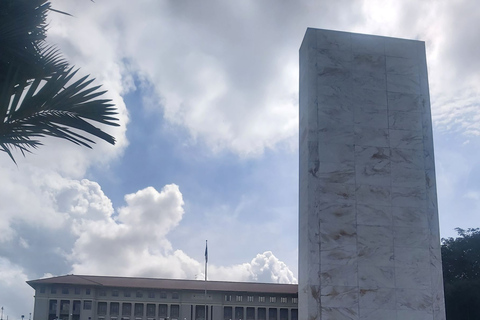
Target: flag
{"x":206,"y":252}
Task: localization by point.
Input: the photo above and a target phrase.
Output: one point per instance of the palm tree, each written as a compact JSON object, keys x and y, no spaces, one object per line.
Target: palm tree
{"x":38,"y":96}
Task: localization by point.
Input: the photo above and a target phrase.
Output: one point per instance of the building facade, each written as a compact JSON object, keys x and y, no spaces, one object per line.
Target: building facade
{"x":78,"y":297}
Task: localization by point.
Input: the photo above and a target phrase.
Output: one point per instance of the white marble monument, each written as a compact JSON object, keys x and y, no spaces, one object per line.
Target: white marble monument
{"x":369,"y":245}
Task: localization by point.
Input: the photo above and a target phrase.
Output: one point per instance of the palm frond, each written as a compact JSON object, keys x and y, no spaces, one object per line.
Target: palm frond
{"x":53,"y":107}
{"x":38,"y":94}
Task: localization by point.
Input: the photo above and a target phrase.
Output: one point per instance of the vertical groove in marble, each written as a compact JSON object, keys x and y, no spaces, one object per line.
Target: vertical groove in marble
{"x":369,"y":244}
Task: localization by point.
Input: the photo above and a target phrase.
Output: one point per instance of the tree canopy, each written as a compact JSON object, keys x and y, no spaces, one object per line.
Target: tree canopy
{"x":461,"y":274}
{"x":38,"y":94}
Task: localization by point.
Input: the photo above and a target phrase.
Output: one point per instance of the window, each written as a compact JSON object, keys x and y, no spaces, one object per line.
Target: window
{"x":139,"y":294}
{"x":126,"y":293}
{"x":272,"y":314}
{"x":200,"y":312}
{"x":87,"y":305}
{"x":250,"y":313}
{"x":150,"y":310}
{"x":228,"y":297}
{"x":250,"y":298}
{"x":262,"y":314}
{"x":174,"y":311}
{"x":294,"y":300}
{"x":64,"y":306}
{"x":102,"y":308}
{"x":64,"y":290}
{"x":261,"y":299}
{"x":239,"y":298}
{"x":294,"y":314}
{"x":126,"y":309}
{"x":283,"y":314}
{"x":102,"y":293}
{"x":77,"y":290}
{"x":162,"y":310}
{"x":227,"y":313}
{"x":273,"y":299}
{"x":283,"y":299}
{"x":52,"y":306}
{"x":163,"y":295}
{"x":114,"y":308}
{"x":151,"y":295}
{"x":138,"y":309}
{"x":76,"y":306}
{"x":42,"y":289}
{"x":115,"y":293}
{"x":239,"y":313}
{"x":175,"y":295}
{"x":87,"y":291}
{"x":53,"y":290}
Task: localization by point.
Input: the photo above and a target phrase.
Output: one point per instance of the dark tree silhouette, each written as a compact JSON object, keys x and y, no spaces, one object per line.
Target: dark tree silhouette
{"x":461,"y":275}
{"x":38,"y":96}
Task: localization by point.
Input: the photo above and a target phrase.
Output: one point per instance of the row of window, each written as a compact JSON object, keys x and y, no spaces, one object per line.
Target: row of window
{"x":150,"y":310}
{"x":239,"y":298}
{"x":114,"y":293}
{"x":116,"y":308}
{"x":139,"y":309}
{"x":65,"y":290}
{"x":139,"y":294}
{"x":163,"y":295}
{"x":238,"y":313}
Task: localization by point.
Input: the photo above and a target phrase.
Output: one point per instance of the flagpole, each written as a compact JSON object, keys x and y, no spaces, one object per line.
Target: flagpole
{"x":206,"y":262}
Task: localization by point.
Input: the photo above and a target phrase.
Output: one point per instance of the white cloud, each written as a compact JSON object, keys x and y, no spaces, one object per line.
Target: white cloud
{"x":265,"y":267}
{"x":227,"y":72}
{"x":16,"y":295}
{"x":136,"y":243}
{"x":132,"y":242}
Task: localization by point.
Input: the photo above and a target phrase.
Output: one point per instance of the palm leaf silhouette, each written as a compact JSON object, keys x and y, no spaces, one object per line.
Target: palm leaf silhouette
{"x":38,"y":94}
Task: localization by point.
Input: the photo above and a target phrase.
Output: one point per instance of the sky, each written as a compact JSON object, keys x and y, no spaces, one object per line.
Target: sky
{"x":207,"y":94}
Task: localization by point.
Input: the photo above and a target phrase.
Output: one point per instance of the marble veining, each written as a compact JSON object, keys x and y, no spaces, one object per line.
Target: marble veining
{"x":374,"y":215}
{"x":374,"y":63}
{"x":371,"y":137}
{"x":333,"y":58}
{"x":379,"y":298}
{"x":373,"y":276}
{"x":403,"y":83}
{"x":405,"y":102}
{"x":371,"y":116}
{"x":403,"y":66}
{"x":369,"y":243}
{"x":401,"y":120}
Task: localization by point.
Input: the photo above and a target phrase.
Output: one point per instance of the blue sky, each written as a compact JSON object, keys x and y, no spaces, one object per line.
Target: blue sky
{"x":208,"y":144}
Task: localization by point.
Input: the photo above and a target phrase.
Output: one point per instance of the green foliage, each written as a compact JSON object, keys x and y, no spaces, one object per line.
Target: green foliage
{"x":38,"y":96}
{"x":461,"y":274}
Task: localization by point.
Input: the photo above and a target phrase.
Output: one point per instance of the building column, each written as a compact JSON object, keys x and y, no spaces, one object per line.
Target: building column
{"x":57,"y":312}
{"x":70,"y":310}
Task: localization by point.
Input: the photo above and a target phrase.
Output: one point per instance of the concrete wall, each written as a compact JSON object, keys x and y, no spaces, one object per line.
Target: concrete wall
{"x":369,"y":244}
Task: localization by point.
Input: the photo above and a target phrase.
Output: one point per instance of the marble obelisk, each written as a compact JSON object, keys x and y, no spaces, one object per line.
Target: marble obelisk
{"x":369,"y":245}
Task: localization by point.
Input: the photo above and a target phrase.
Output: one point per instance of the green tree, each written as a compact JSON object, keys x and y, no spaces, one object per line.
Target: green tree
{"x":461,"y":274}
{"x":38,"y":96}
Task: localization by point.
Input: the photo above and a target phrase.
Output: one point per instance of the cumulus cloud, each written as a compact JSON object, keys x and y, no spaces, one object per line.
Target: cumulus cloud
{"x":16,"y":295}
{"x":265,"y":267}
{"x":135,"y":243}
{"x":39,"y":208}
